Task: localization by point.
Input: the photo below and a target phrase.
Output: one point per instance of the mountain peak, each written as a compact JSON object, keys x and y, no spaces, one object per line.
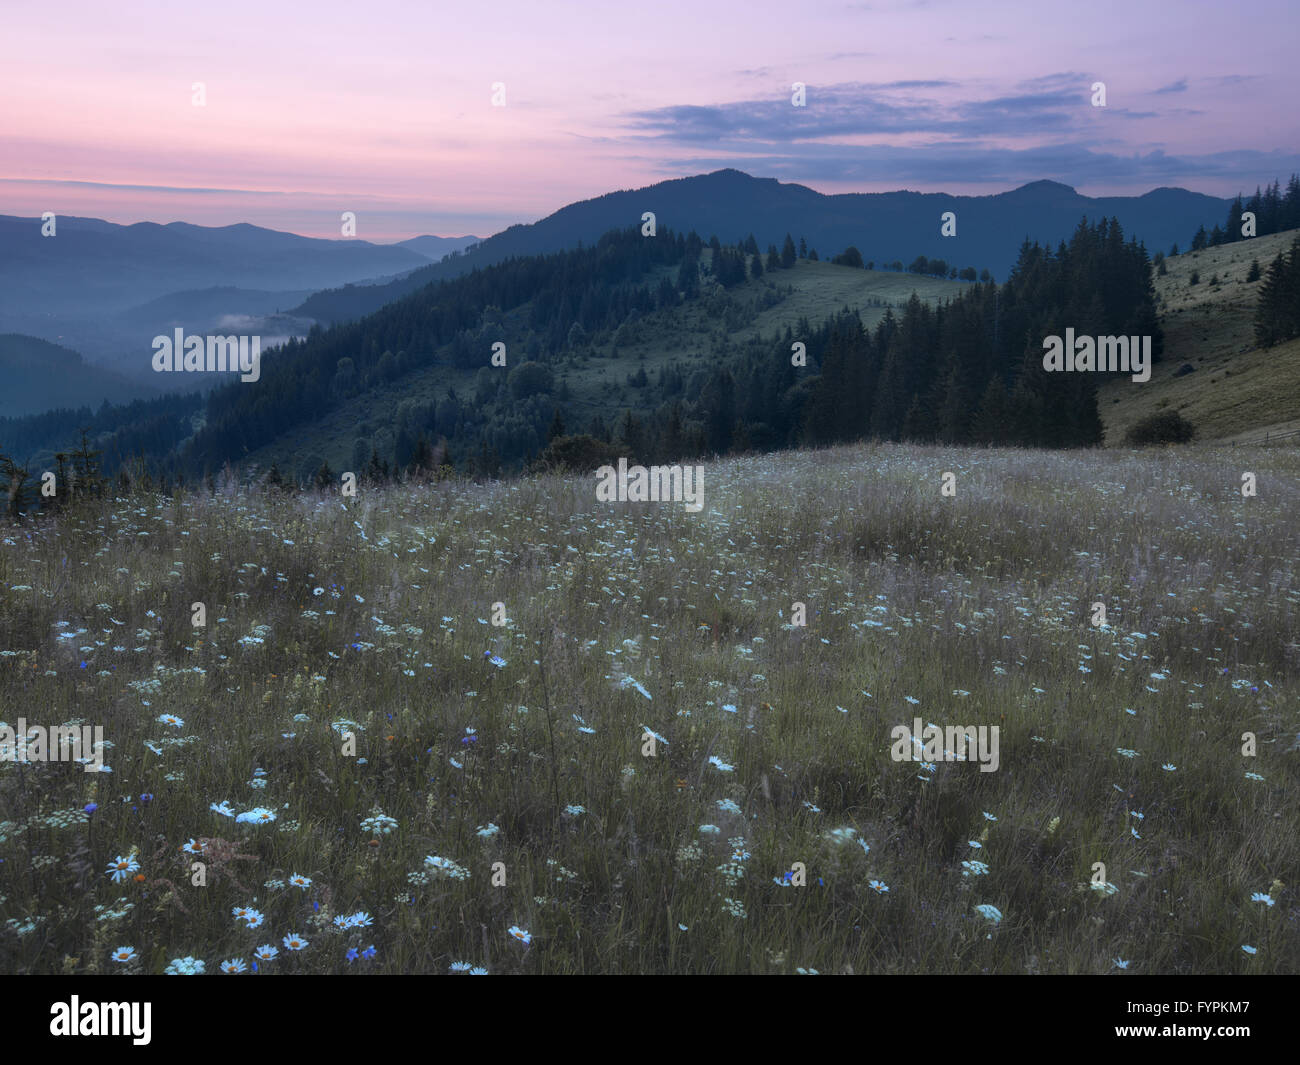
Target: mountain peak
{"x":730,"y":173}
{"x":1044,"y":188}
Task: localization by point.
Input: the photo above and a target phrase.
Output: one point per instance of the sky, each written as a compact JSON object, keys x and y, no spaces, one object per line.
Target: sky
{"x":386,"y":109}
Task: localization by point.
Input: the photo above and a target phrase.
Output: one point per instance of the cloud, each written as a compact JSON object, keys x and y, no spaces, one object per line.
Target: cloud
{"x":975,"y":163}
{"x":1178,"y":86}
{"x":183,"y":190}
{"x":1051,"y":105}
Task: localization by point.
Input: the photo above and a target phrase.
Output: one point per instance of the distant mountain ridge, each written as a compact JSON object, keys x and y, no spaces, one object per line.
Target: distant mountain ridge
{"x":884,"y":226}
{"x":90,"y":266}
{"x":38,"y":376}
{"x":436,"y":247}
{"x":98,"y":286}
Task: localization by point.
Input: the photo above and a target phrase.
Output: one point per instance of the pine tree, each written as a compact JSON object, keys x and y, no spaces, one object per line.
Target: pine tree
{"x":674,"y":436}
{"x":88,"y":477}
{"x":422,"y":457}
{"x":990,"y":423}
{"x":375,"y":472}
{"x":15,"y":487}
{"x":688,"y":277}
{"x":630,"y":435}
{"x":788,"y":253}
{"x":557,"y":427}
{"x":1232,"y":228}
{"x":803,"y":248}
{"x":917,"y":424}
{"x":718,"y":403}
{"x":324,"y":478}
{"x":1277,"y":315}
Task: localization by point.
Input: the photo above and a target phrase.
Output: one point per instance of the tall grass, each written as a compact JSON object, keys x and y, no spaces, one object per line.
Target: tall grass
{"x":374,"y":616}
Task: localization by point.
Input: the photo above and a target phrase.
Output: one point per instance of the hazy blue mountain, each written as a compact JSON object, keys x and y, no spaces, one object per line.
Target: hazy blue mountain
{"x":91,"y":266}
{"x":38,"y":376}
{"x":122,"y":339}
{"x":436,"y":247}
{"x":884,"y":226}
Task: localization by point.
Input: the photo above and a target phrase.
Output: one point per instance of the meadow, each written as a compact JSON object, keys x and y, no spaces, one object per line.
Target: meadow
{"x":352,"y":767}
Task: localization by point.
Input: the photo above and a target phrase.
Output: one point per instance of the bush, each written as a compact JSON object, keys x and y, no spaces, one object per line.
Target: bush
{"x":1167,"y":427}
{"x":850,"y":256}
{"x":580,"y":454}
{"x":529,"y":379}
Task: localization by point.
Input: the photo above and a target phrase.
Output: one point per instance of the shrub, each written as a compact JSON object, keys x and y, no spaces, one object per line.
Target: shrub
{"x":1167,"y":427}
{"x":529,"y":379}
{"x":580,"y":454}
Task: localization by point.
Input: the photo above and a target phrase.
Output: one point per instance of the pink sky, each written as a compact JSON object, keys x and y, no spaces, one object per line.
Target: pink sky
{"x":385,"y":108}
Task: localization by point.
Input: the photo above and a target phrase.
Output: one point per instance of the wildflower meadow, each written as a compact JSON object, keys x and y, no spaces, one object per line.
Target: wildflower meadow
{"x":506,"y":727}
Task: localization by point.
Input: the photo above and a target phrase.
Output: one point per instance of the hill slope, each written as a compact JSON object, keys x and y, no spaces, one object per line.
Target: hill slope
{"x":698,"y":336}
{"x":1235,"y":391}
{"x":436,"y":247}
{"x":38,"y":375}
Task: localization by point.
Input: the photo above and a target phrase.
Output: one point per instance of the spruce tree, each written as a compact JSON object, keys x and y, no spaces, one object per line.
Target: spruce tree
{"x":324,"y":478}
{"x":557,"y":427}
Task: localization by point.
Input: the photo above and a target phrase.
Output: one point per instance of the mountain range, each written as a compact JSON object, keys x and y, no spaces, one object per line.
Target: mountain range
{"x":884,"y":226}
{"x":105,"y":290}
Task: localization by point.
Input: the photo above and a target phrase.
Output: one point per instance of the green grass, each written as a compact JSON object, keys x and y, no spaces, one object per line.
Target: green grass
{"x":977,"y":607}
{"x":1238,"y":391}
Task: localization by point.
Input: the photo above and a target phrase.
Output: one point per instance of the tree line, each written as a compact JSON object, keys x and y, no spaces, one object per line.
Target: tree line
{"x":1275,"y":211}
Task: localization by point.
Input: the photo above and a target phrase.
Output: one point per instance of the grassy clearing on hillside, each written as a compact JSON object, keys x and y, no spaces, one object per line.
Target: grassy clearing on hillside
{"x":373,"y":616}
{"x":688,"y":335}
{"x":1237,"y":390}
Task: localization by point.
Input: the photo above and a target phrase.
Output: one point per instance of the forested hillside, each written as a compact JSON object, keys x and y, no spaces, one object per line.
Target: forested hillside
{"x":963,"y":365}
